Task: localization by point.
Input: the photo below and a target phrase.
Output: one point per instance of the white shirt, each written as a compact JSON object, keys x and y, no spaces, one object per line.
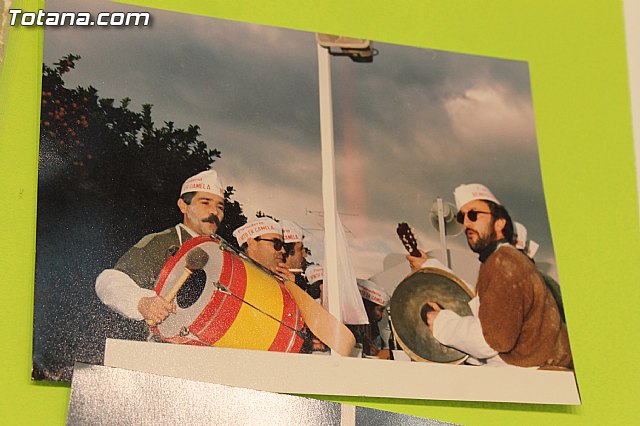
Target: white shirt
{"x":121,"y":293}
{"x":464,"y":333}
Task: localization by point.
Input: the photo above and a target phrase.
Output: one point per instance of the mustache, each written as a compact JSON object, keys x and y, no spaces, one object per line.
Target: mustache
{"x":212,"y":219}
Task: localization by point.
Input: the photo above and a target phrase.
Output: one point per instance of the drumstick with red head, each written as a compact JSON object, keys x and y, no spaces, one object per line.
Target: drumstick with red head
{"x":195,"y":260}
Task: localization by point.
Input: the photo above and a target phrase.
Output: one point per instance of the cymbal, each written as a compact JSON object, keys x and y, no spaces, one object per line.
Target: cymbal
{"x":408,"y":307}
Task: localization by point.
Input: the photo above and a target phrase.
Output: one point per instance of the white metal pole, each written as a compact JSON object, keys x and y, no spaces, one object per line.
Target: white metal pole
{"x":443,"y":233}
{"x":328,"y":185}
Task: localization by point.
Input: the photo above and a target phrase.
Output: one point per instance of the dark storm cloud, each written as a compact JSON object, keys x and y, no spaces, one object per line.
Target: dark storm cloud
{"x":240,"y":72}
{"x":424,"y":122}
{"x":409,"y":127}
{"x":252,"y":89}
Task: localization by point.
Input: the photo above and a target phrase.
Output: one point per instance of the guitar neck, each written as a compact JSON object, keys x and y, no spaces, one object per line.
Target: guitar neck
{"x":408,"y":239}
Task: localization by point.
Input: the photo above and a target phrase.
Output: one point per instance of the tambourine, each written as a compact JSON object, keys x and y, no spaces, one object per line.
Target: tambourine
{"x":408,"y":307}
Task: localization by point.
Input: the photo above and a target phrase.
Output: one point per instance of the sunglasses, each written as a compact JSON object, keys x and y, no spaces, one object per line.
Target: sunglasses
{"x":290,"y":248}
{"x":278,"y":244}
{"x":471,"y":214}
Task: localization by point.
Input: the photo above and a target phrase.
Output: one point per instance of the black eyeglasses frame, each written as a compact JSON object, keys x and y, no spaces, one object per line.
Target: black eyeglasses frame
{"x":471,"y":214}
{"x":278,"y":244}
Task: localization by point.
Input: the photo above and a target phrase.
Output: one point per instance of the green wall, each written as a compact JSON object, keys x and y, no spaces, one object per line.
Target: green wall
{"x":577,"y":60}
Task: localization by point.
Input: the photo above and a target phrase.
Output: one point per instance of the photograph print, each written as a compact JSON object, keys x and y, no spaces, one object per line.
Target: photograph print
{"x":181,"y":201}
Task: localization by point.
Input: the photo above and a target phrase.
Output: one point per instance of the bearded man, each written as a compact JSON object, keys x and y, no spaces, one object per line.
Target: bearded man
{"x":515,"y":319}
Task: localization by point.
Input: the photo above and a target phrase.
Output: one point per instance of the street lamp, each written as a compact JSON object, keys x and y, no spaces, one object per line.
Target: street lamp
{"x":357,"y":49}
{"x":338,"y":269}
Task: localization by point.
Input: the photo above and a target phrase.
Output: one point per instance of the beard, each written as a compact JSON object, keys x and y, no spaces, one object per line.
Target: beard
{"x":482,"y":241}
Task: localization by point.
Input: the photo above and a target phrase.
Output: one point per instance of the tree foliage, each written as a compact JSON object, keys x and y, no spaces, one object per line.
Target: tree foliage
{"x":93,"y":146}
{"x":108,"y":175}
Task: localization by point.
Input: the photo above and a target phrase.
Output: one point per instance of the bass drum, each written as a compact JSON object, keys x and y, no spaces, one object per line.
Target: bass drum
{"x":408,"y":308}
{"x":228,"y":302}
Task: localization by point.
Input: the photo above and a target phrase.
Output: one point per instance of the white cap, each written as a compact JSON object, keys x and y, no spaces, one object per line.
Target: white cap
{"x":314,"y":273}
{"x":521,"y":235}
{"x":291,"y":231}
{"x":473,"y":191}
{"x":256,"y":228}
{"x":529,"y":247}
{"x":532,"y":248}
{"x":372,"y":292}
{"x":207,"y":181}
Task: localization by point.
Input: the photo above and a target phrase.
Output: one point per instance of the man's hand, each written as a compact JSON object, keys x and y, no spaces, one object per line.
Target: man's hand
{"x":431,"y":315}
{"x":317,"y":345}
{"x":416,"y":262}
{"x":283,"y":272}
{"x":371,"y":349}
{"x":155,"y":309}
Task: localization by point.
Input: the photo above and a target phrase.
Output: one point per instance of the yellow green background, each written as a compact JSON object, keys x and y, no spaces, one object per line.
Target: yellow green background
{"x":576,"y":53}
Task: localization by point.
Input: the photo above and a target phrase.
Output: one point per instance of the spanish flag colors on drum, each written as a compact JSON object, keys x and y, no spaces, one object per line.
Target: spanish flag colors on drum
{"x":229,"y":303}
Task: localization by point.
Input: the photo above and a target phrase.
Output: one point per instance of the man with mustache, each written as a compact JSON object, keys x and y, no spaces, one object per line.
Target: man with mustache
{"x":127,"y":288}
{"x":515,"y":319}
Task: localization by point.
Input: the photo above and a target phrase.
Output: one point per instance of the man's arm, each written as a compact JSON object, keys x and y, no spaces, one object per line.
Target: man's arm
{"x":503,"y":301}
{"x":119,"y":292}
{"x":127,"y":288}
{"x":462,"y":333}
{"x":424,"y":261}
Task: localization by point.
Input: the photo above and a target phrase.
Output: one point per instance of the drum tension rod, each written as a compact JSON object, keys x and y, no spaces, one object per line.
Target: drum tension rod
{"x":225,"y":290}
{"x":222,"y":288}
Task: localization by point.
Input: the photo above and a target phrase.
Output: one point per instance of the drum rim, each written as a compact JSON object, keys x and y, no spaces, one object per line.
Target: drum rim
{"x":165,"y":272}
{"x":173,"y":260}
{"x":444,"y":273}
{"x":416,"y":357}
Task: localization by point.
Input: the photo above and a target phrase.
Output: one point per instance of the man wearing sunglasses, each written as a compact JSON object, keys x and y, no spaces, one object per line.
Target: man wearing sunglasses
{"x":515,"y":319}
{"x":296,"y":256}
{"x":128,"y":287}
{"x":295,"y":251}
{"x":261,"y":239}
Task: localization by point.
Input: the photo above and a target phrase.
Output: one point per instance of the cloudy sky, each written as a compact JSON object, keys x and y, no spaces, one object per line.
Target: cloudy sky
{"x":409,"y":127}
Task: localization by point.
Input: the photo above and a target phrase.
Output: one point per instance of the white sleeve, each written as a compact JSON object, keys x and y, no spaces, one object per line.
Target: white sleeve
{"x":432,"y":262}
{"x":119,"y":292}
{"x":462,"y":333}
